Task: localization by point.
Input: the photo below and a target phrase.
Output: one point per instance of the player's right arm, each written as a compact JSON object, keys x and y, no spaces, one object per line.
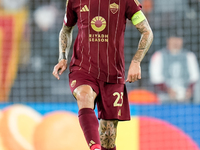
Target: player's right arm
{"x":65,"y":40}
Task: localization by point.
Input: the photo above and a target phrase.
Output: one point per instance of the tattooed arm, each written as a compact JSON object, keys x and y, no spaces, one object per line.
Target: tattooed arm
{"x":65,"y":40}
{"x":134,"y":72}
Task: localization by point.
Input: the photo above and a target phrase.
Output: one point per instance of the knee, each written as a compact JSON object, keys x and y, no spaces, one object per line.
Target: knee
{"x":85,"y":96}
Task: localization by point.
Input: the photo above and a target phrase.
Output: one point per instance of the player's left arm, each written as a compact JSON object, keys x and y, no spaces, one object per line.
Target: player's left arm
{"x":142,"y":25}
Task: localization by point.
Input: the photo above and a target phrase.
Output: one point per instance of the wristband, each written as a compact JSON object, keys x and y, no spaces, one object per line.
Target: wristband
{"x":62,"y":56}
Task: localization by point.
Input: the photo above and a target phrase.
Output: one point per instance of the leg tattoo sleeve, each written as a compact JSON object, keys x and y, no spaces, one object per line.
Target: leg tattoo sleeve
{"x":107,"y":132}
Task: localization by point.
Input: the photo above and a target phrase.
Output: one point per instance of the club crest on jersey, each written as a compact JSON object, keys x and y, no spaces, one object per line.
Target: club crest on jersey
{"x":98,"y":23}
{"x":114,"y":8}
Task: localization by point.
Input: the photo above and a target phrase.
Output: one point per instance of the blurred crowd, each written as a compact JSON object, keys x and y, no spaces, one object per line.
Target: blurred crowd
{"x":174,"y":71}
{"x":29,"y":49}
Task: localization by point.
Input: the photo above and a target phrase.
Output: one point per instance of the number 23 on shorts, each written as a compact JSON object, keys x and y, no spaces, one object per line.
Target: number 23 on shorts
{"x":119,"y":99}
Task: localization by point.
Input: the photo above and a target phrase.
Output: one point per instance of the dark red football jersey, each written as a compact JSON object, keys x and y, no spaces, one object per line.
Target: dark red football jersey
{"x":99,"y":46}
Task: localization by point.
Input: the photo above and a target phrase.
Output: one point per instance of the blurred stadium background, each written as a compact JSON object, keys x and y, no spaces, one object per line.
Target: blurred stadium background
{"x":29,"y":50}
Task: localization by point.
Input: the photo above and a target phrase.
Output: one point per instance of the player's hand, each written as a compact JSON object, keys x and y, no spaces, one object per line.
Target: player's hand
{"x":59,"y":68}
{"x":134,"y":72}
{"x":188,"y":94}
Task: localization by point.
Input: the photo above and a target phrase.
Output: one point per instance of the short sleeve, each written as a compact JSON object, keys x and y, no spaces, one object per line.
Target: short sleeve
{"x":70,"y":18}
{"x":132,"y":6}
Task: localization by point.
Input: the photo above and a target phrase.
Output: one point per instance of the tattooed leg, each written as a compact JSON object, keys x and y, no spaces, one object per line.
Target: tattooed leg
{"x":108,"y":132}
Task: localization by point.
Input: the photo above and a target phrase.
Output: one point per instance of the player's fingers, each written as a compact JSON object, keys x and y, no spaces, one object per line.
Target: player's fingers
{"x":62,"y":70}
{"x":56,"y":75}
{"x":139,"y":76}
{"x":131,"y":78}
{"x":128,"y":79}
{"x":55,"y":72}
{"x":134,"y":78}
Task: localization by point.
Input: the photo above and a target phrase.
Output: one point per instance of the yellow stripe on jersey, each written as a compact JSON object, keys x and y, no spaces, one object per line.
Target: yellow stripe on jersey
{"x":138,"y":17}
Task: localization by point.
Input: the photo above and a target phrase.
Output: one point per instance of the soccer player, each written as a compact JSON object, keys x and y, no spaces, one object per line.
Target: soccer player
{"x":97,"y":71}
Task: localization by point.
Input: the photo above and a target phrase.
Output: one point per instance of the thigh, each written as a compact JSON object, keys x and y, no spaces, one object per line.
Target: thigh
{"x":84,"y":88}
{"x":113,"y":102}
{"x":78,"y":78}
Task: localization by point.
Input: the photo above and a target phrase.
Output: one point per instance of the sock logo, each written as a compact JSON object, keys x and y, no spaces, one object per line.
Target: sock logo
{"x":91,"y":143}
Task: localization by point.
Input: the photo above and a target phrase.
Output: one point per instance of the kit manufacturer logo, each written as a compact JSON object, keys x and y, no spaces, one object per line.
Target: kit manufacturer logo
{"x":84,"y":9}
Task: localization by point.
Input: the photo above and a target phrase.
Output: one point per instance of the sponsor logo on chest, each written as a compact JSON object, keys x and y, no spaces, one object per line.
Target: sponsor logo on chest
{"x":98,"y":23}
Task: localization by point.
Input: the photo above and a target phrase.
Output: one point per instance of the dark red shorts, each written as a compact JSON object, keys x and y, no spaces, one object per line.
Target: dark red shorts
{"x":112,"y":99}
